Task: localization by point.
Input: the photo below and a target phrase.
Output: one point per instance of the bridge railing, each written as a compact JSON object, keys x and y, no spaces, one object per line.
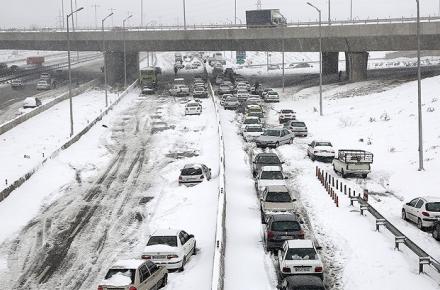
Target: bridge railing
{"x":234,"y":26}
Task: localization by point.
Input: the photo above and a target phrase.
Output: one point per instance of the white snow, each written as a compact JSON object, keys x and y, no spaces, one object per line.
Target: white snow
{"x":118,"y":279}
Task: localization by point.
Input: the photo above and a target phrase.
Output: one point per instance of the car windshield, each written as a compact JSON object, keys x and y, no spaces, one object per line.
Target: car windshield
{"x":298,"y":124}
{"x":286,"y":226}
{"x":278,"y":197}
{"x":301,"y":254}
{"x":231,"y":99}
{"x":274,"y":133}
{"x":163,"y":240}
{"x":286,"y":112}
{"x":191,"y":171}
{"x":192,"y":105}
{"x":251,"y":121}
{"x":271,"y":175}
{"x":269,"y":160}
{"x":323,"y":144}
{"x":254,"y":129}
{"x":433,"y":206}
{"x":121,"y":272}
{"x":272,"y":93}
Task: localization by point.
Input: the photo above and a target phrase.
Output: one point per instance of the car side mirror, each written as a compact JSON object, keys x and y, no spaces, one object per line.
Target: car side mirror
{"x":283,"y":162}
{"x":191,"y":236}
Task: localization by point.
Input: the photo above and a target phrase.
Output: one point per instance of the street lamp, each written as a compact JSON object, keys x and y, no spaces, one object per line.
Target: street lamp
{"x":320,"y":58}
{"x":69,"y":68}
{"x":142,"y":13}
{"x":184,"y":15}
{"x":235,"y":12}
{"x":125,"y":54}
{"x":329,"y":12}
{"x":351,"y":10}
{"x":105,"y":63}
{"x":419,"y":90}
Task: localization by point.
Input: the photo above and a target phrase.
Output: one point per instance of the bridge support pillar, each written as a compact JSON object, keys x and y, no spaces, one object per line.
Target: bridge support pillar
{"x":115,"y":66}
{"x":330,"y":61}
{"x":356,"y":65}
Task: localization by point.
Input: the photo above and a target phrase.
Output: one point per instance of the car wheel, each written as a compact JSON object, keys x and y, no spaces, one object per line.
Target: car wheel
{"x":195,"y":249}
{"x":420,"y":224}
{"x":364,"y":175}
{"x":435,"y":233}
{"x":404,"y":215}
{"x":164,"y":281}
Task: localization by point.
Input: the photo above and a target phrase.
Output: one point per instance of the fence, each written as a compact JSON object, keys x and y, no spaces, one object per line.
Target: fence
{"x":334,"y":185}
{"x":17,"y":183}
{"x":218,"y":269}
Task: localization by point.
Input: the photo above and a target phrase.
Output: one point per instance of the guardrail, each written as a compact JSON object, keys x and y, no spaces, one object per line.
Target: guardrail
{"x":218,"y":269}
{"x":17,"y":183}
{"x":234,"y":26}
{"x":334,"y":185}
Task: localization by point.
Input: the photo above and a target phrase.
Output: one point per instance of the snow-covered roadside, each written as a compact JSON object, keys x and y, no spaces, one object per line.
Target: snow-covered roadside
{"x":246,"y":264}
{"x":26,"y":145}
{"x":384,"y":123}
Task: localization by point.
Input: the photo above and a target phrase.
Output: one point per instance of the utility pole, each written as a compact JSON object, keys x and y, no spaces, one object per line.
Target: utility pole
{"x":125,"y":52}
{"x":329,"y":13}
{"x":142,"y":13}
{"x":111,"y":11}
{"x":419,"y":91}
{"x":62,"y":12}
{"x":105,"y":62}
{"x":283,"y":63}
{"x":235,"y":12}
{"x":184,"y":15}
{"x":351,"y":10}
{"x":96,"y":15}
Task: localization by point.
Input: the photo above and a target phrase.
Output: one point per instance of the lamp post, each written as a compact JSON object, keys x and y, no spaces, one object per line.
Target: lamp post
{"x":184,"y":15}
{"x":142,"y":13}
{"x":329,"y":13}
{"x":351,"y":10}
{"x":235,"y":12}
{"x":69,"y":68}
{"x":96,"y":15}
{"x":419,"y":91}
{"x":125,"y":53}
{"x":105,"y":62}
{"x":62,"y":11}
{"x":320,"y":58}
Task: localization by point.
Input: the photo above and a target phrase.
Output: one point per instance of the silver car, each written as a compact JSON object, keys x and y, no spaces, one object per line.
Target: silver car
{"x":297,"y":127}
{"x":193,"y":174}
{"x":274,"y":138}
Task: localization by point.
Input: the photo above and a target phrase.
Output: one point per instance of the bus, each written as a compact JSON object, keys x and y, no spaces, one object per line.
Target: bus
{"x":148,"y":76}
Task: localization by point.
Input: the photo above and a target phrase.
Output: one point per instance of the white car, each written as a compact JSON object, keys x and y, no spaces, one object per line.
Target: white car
{"x":269,"y":175}
{"x":424,"y":211}
{"x":193,"y":108}
{"x":170,"y":248}
{"x":271,"y":96}
{"x":231,"y":103}
{"x":274,"y":137}
{"x":321,"y":150}
{"x":31,"y":102}
{"x":250,"y":121}
{"x":43,"y":85}
{"x":286,"y":115}
{"x":300,"y":257}
{"x":242,"y":95}
{"x":252,"y":131}
{"x":276,"y":199}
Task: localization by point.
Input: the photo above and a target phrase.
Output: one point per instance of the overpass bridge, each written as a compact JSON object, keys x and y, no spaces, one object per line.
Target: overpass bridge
{"x":356,"y":40}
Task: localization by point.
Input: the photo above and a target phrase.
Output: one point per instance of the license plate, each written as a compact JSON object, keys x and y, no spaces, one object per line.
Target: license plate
{"x":287,"y":237}
{"x":303,"y":269}
{"x":159,"y":257}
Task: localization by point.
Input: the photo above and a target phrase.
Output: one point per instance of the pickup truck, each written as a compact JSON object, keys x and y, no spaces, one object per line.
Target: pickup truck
{"x":353,"y":162}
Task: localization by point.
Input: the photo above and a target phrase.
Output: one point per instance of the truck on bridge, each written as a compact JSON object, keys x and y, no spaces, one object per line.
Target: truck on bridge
{"x":148,"y":76}
{"x":265,"y":17}
{"x":35,"y":60}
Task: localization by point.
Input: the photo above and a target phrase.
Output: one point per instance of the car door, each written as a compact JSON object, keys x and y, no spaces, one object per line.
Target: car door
{"x":144,"y":278}
{"x":184,"y":244}
{"x":311,"y":147}
{"x":410,"y":209}
{"x":418,"y":209}
{"x":155,"y":276}
{"x":287,"y":136}
{"x":190,"y":242}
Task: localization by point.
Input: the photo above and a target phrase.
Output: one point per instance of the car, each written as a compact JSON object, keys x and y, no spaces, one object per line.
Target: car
{"x":273,"y":67}
{"x":280,"y":228}
{"x":231,"y":103}
{"x":148,"y":89}
{"x":264,"y":92}
{"x":297,"y":127}
{"x":199,"y":92}
{"x":193,"y":108}
{"x":170,"y":248}
{"x":275,"y":199}
{"x":134,"y":274}
{"x":159,"y":126}
{"x":242,"y":87}
{"x":256,"y":110}
{"x":265,"y":159}
{"x":218,"y":80}
{"x":321,"y":150}
{"x":252,"y":100}
{"x":31,"y":102}
{"x":274,"y":137}
{"x":269,"y":175}
{"x":424,"y":211}
{"x":250,"y":121}
{"x":224,"y":89}
{"x":436,"y":230}
{"x":179,"y":90}
{"x":301,"y":282}
{"x":242,"y":95}
{"x":193,"y":174}
{"x":252,"y":131}
{"x":353,"y":162}
{"x":43,"y":85}
{"x":45,"y":76}
{"x":17,"y":84}
{"x":300,"y":257}
{"x":286,"y":115}
{"x":271,"y":96}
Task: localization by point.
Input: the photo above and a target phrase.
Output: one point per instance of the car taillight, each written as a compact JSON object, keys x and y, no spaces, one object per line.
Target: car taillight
{"x":100,"y":287}
{"x":132,"y":288}
{"x":318,"y":269}
{"x":172,"y":257}
{"x":201,"y":177}
{"x":425,"y":213}
{"x":286,"y":270}
{"x":301,"y":234}
{"x":180,"y":177}
{"x":269,"y":234}
{"x":146,"y":257}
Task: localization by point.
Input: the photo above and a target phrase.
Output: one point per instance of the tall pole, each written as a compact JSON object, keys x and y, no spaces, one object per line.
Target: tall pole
{"x":96,"y":15}
{"x":329,"y":13}
{"x":320,"y":57}
{"x":112,"y":10}
{"x":419,"y":90}
{"x":184,"y":15}
{"x":142,"y":13}
{"x":70,"y":69}
{"x":283,"y":63}
{"x":105,"y":62}
{"x":235,"y":12}
{"x":63,"y":13}
{"x":351,"y":10}
{"x":125,"y":51}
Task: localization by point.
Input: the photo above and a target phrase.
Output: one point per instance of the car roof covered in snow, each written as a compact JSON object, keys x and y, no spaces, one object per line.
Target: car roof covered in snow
{"x":266,"y":154}
{"x":166,"y":232}
{"x":193,"y":165}
{"x":300,"y":244}
{"x":128,"y":264}
{"x":304,"y":280}
{"x":271,"y":168}
{"x":284,"y":217}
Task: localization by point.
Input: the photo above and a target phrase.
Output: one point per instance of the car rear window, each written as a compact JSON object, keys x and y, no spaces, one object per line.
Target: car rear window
{"x":286,"y":111}
{"x":163,"y":240}
{"x":298,"y":124}
{"x":286,"y":226}
{"x":278,"y":197}
{"x":269,"y":160}
{"x":301,"y":254}
{"x":271,"y":175}
{"x":191,"y":171}
{"x":254,"y":129}
{"x":130,"y":273}
{"x":433,"y":206}
{"x":323,"y":144}
{"x":251,"y":121}
{"x":274,"y":133}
